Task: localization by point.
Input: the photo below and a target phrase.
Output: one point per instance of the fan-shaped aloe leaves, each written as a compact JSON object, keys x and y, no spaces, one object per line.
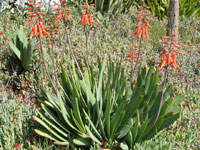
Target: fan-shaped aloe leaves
{"x":105,"y":108}
{"x":22,"y":48}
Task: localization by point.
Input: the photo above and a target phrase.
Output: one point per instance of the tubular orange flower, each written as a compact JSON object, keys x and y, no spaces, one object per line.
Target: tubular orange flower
{"x":149,"y":26}
{"x":175,"y":51}
{"x":166,"y":37}
{"x":86,"y":17}
{"x":38,"y":26}
{"x":40,"y":32}
{"x":146,"y":33}
{"x":164,"y":42}
{"x":168,"y":47}
{"x":41,"y":13}
{"x":61,"y":14}
{"x":31,"y":21}
{"x":29,"y":8}
{"x":163,"y":53}
{"x":168,"y":59}
{"x":175,"y":40}
{"x":35,"y":30}
{"x":163,"y":62}
{"x":143,"y":24}
{"x":177,"y":46}
{"x":170,"y":56}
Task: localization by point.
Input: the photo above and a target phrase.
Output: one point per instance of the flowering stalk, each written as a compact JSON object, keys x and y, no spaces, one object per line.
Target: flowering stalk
{"x":61,"y":16}
{"x":39,"y":30}
{"x":141,"y":30}
{"x":170,"y":60}
{"x":54,"y":31}
{"x":87,"y":19}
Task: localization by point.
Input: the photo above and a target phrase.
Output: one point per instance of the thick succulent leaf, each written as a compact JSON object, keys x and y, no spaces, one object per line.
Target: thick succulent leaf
{"x":52,"y":124}
{"x":141,"y":130}
{"x":65,"y":114}
{"x":154,"y":109}
{"x":93,"y":126}
{"x":123,"y":132}
{"x":117,"y":118}
{"x":15,"y":50}
{"x":148,"y":134}
{"x":52,"y":131}
{"x":61,"y":143}
{"x":148,"y":80}
{"x":99,"y":88}
{"x":54,"y":118}
{"x":165,"y":106}
{"x":131,"y":108}
{"x":77,"y":114}
{"x":101,"y":126}
{"x":46,"y":134}
{"x":65,"y":82}
{"x":82,"y":141}
{"x":169,"y":120}
{"x":129,"y":139}
{"x":175,"y":105}
{"x":27,"y":55}
{"x":88,"y":92}
{"x":80,"y":129}
{"x":87,"y":79}
{"x":22,"y":39}
{"x":107,"y":114}
{"x":134,"y":130}
{"x":152,"y":87}
{"x":92,"y":136}
{"x":167,"y":93}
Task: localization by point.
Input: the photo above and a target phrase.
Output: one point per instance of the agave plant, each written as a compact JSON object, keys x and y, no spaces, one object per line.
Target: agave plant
{"x":22,"y":48}
{"x":106,"y":108}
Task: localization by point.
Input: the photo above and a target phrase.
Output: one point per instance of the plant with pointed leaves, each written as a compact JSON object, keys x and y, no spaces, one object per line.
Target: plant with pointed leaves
{"x":106,"y":109}
{"x":22,"y":48}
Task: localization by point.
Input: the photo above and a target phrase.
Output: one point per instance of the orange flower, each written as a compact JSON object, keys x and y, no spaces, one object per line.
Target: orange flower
{"x":61,"y":14}
{"x":170,"y":54}
{"x":38,"y":28}
{"x":86,"y":17}
{"x":143,"y":24}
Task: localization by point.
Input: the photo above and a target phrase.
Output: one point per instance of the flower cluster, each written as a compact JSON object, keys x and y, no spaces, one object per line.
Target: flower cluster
{"x":143,"y":24}
{"x":169,"y":54}
{"x":38,"y":28}
{"x":87,"y":18}
{"x":132,"y":54}
{"x":62,"y":12}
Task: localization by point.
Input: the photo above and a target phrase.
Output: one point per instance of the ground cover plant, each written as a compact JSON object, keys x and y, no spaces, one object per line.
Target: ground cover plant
{"x":98,"y":84}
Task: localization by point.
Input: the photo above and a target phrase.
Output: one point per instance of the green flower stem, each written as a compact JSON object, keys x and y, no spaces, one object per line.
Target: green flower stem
{"x":86,"y":43}
{"x":70,"y":48}
{"x":45,"y":66}
{"x":140,"y":43}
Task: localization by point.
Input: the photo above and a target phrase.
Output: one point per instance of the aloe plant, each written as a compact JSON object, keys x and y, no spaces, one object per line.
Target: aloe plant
{"x":22,"y":48}
{"x":113,"y":6}
{"x":106,"y":107}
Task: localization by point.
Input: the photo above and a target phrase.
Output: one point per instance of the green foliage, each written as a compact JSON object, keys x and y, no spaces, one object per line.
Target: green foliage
{"x":113,"y":6}
{"x":22,"y":48}
{"x":160,"y":7}
{"x":190,"y":7}
{"x":105,"y":108}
